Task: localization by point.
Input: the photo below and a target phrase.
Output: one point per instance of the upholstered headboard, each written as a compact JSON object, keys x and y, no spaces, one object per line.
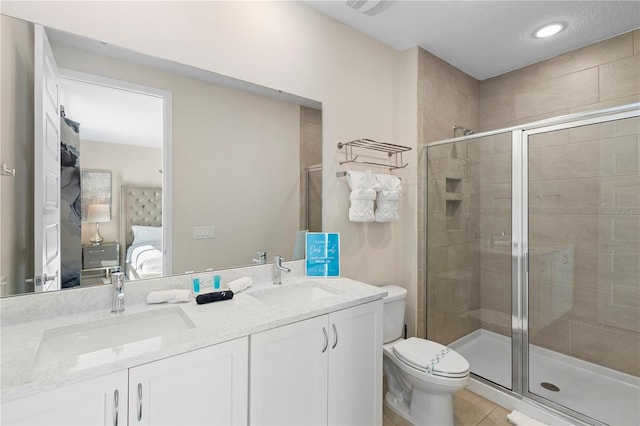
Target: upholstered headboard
{"x":138,"y":206}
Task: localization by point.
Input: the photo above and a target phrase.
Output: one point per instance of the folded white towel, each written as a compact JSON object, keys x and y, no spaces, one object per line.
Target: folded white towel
{"x":240,"y":284}
{"x":388,"y":182}
{"x":519,"y":419}
{"x":388,"y":196}
{"x":387,"y":211}
{"x":361,"y":211}
{"x":169,"y":296}
{"x":362,"y":180}
{"x":363,"y":194}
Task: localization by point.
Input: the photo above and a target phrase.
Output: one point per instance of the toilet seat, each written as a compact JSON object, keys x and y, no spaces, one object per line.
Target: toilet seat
{"x":431,"y":358}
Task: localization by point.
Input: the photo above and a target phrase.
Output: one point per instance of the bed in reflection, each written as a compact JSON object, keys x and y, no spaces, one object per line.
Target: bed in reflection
{"x":141,"y":231}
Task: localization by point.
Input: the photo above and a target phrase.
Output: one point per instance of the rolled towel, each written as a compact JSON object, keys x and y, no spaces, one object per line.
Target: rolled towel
{"x":519,"y":419}
{"x":169,"y":296}
{"x":240,"y":284}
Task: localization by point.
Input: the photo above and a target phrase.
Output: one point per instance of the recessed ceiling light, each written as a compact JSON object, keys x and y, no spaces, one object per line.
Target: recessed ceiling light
{"x":549,"y":30}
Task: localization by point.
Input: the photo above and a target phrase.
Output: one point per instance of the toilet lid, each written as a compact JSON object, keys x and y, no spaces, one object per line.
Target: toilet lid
{"x":431,"y":357}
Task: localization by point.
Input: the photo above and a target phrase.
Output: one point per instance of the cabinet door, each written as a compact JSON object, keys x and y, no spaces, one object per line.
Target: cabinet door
{"x":100,"y":401}
{"x":208,"y":386}
{"x":355,"y":366}
{"x":289,"y":374}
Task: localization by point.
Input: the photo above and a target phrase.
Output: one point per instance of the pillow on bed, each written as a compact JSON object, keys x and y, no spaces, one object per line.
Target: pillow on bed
{"x":146,"y":234}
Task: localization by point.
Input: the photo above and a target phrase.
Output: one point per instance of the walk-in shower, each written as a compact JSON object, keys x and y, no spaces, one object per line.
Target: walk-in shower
{"x":533,"y":261}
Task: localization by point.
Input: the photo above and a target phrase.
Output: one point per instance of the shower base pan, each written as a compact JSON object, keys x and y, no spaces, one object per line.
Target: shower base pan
{"x":601,"y":393}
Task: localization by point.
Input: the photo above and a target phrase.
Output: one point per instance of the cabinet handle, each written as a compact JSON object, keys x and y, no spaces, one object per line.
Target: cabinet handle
{"x":335,"y":336}
{"x":115,"y":407}
{"x":139,"y":401}
{"x":326,"y":340}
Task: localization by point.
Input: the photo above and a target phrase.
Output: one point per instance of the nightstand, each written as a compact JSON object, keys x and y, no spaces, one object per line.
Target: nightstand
{"x":98,"y":260}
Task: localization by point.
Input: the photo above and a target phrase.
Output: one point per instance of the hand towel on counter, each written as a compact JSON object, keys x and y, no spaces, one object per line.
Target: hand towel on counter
{"x":363,"y":187}
{"x":240,"y":284}
{"x":168,"y":296}
{"x":387,"y":198}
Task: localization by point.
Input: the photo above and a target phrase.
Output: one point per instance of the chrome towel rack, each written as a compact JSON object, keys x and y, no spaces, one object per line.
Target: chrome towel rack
{"x":394,"y":152}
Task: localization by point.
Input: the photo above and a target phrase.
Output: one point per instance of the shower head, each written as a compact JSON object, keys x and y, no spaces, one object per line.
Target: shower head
{"x":465,"y":131}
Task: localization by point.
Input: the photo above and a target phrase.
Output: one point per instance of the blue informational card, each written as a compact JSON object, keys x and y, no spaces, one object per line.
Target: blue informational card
{"x":322,"y":254}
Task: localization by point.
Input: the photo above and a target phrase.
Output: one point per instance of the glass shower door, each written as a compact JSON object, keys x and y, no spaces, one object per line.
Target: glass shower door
{"x":583,"y":287}
{"x":469,"y":302}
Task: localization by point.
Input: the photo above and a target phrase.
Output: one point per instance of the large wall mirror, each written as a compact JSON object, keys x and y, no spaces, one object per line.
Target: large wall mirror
{"x":229,"y":170}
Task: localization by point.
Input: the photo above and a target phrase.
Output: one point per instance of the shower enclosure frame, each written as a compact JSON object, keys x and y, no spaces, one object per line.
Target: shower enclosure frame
{"x":520,"y":243}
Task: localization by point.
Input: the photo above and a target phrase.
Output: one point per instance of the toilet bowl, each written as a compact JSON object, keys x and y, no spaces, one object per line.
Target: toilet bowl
{"x":421,"y":375}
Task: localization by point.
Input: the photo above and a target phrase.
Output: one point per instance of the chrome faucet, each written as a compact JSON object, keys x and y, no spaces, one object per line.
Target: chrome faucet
{"x":262,"y":258}
{"x":277,"y":270}
{"x":117,"y":281}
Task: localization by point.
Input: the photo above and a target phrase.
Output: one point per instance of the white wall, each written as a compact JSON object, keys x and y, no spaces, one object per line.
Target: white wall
{"x":235,"y":159}
{"x":286,"y":46}
{"x":16,"y":151}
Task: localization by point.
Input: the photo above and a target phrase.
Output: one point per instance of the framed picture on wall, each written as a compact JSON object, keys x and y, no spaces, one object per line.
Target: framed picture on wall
{"x":96,"y":189}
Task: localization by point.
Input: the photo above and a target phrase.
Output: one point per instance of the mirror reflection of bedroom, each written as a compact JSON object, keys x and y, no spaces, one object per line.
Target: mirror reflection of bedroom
{"x":105,"y":131}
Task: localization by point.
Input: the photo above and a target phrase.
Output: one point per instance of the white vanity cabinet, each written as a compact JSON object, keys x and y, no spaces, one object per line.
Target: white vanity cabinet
{"x":208,"y":386}
{"x":100,"y":401}
{"x":324,"y":370}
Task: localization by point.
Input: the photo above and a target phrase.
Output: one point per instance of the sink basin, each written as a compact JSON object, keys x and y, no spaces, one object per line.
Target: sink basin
{"x":293,"y":295}
{"x":83,"y":345}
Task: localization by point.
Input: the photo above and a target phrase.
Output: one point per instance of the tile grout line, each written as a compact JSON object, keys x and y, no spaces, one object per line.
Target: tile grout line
{"x":488,"y":414}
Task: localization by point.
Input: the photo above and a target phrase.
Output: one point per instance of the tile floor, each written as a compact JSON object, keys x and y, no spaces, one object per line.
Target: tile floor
{"x":469,"y":409}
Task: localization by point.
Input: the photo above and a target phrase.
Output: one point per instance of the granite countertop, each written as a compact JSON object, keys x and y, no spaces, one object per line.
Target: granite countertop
{"x":25,"y":373}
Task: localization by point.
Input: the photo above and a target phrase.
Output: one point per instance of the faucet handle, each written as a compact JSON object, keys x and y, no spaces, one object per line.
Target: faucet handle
{"x":117,"y":279}
{"x":262,"y":258}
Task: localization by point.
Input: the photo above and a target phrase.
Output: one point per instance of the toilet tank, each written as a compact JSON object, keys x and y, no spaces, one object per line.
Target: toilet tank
{"x":393,"y":313}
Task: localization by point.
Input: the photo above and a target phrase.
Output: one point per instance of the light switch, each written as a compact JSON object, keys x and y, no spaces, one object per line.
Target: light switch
{"x":204,"y":232}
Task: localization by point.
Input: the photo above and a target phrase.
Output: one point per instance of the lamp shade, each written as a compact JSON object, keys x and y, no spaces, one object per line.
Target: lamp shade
{"x":98,"y":213}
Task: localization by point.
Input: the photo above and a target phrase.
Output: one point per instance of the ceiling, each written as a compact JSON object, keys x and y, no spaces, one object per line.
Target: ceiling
{"x":113,"y":115}
{"x":485,"y":38}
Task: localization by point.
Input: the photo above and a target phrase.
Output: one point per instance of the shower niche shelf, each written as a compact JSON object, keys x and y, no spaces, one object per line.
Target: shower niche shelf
{"x":454,"y":186}
{"x":358,"y":148}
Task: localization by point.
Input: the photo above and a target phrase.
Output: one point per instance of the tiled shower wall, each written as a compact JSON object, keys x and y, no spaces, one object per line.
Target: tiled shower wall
{"x":601,"y":75}
{"x":310,"y":155}
{"x":446,"y":96}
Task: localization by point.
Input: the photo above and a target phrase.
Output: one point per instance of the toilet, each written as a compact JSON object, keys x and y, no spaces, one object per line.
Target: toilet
{"x":421,"y":375}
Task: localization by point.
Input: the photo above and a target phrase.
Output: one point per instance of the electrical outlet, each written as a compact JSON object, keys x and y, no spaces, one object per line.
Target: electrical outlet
{"x":206,"y":281}
{"x":204,"y":232}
